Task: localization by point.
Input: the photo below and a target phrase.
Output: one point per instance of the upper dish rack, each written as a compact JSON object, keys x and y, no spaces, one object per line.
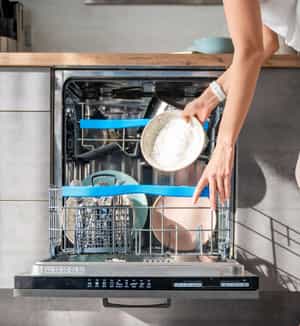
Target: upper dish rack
{"x":89,"y":136}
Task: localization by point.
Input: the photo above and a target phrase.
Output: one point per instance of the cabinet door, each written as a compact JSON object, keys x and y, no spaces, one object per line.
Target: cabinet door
{"x":25,"y":155}
{"x":24,"y":89}
{"x":23,"y":237}
{"x":268,"y":223}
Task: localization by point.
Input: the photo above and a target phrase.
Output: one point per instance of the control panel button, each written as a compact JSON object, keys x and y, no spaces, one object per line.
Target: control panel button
{"x":126,"y":284}
{"x":119,"y":284}
{"x":89,"y":284}
{"x":188,"y":285}
{"x":111,"y":284}
{"x":235,"y":284}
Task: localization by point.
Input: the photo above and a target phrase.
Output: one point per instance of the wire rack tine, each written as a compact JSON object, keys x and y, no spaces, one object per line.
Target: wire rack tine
{"x":150,"y":233}
{"x":176,"y":240}
{"x":200,"y":241}
{"x":140,"y":242}
{"x":162,"y":226}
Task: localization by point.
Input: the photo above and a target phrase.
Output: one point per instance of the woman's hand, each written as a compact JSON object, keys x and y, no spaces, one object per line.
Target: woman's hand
{"x":217,"y":175}
{"x":201,"y":107}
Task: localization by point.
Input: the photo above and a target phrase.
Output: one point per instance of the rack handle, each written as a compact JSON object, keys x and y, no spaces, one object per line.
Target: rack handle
{"x":119,"y":123}
{"x":113,"y":123}
{"x":117,"y":190}
{"x":108,"y":304}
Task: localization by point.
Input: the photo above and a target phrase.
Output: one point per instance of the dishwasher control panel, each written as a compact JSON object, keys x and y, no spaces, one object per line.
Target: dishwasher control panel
{"x":137,"y":283}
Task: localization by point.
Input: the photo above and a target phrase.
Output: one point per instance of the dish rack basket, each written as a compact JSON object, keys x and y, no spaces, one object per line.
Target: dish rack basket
{"x":102,"y":220}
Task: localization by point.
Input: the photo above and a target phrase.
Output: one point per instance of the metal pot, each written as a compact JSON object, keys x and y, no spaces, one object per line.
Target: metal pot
{"x":158,"y":105}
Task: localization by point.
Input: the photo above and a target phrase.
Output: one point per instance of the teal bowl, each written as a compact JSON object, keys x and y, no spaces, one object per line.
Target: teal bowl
{"x":212,"y":45}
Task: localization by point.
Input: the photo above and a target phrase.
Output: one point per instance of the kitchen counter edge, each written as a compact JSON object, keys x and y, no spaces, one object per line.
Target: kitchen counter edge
{"x":133,"y":59}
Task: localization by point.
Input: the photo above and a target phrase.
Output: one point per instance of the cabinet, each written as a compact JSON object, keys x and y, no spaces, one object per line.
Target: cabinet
{"x":24,"y":169}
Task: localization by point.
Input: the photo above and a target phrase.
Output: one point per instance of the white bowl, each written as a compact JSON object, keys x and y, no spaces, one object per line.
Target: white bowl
{"x":169,"y":143}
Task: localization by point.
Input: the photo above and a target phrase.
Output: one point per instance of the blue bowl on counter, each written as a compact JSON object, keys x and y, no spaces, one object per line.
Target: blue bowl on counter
{"x":212,"y":45}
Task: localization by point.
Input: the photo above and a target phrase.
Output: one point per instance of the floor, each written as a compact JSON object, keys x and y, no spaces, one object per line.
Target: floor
{"x":271,"y":309}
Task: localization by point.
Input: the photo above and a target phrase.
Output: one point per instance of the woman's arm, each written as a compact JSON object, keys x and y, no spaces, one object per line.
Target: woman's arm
{"x":245,"y":27}
{"x":203,"y":106}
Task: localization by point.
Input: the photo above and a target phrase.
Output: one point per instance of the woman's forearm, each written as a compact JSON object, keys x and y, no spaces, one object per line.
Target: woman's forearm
{"x":245,"y":27}
{"x":243,"y":77}
{"x":270,"y":45}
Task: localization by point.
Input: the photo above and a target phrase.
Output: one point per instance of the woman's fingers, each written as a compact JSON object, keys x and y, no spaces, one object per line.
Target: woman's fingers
{"x":227,"y":185}
{"x":200,"y":186}
{"x":220,"y":185}
{"x":201,"y":117}
{"x":227,"y":177}
{"x":212,"y":193}
{"x":188,"y":112}
{"x":221,"y":190}
{"x":198,"y":108}
{"x":186,"y":115}
{"x":193,"y":109}
{"x":218,"y":175}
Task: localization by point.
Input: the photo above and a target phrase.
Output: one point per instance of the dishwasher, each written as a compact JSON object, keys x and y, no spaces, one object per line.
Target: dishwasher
{"x":118,"y":228}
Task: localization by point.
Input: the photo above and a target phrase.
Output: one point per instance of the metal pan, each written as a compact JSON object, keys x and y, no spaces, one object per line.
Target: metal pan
{"x":160,"y":105}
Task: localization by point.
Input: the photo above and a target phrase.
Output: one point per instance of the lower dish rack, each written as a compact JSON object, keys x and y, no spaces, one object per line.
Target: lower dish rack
{"x":103,"y":220}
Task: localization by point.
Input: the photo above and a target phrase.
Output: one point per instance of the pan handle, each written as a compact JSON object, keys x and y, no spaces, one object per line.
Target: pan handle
{"x":113,"y":123}
{"x":98,"y":152}
{"x":99,"y":175}
{"x":108,"y":304}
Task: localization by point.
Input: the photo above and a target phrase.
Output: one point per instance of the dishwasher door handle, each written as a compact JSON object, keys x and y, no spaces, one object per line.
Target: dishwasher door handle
{"x":108,"y":304}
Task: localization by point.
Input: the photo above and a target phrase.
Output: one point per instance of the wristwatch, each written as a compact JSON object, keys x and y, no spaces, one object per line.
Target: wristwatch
{"x":218,"y":91}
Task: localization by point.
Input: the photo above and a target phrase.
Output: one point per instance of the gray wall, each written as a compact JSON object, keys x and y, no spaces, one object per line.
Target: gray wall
{"x":68,"y":25}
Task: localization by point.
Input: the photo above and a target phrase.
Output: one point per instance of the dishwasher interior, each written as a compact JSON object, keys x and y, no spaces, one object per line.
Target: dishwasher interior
{"x":117,"y":226}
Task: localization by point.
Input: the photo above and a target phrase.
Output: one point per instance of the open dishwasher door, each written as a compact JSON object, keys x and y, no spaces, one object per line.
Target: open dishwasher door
{"x":118,"y":227}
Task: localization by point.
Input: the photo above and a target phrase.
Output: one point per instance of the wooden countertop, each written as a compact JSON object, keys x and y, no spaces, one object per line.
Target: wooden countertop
{"x":132,"y":59}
